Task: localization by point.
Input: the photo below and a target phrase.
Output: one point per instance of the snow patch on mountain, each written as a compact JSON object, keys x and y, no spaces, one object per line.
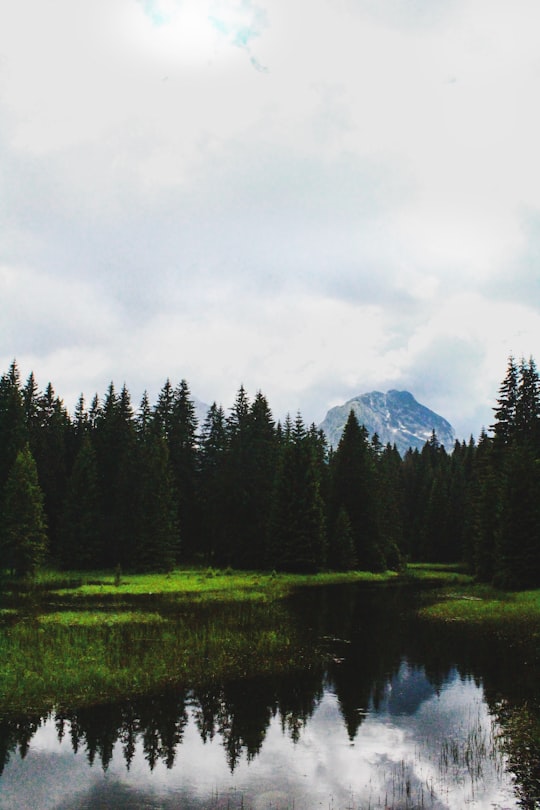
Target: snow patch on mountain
{"x":396,"y":417}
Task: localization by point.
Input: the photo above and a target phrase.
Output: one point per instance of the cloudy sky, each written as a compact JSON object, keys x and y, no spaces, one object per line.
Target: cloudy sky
{"x":314,"y":198}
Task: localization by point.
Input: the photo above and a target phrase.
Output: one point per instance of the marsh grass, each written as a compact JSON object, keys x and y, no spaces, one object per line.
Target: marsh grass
{"x":87,"y":637}
{"x":85,"y":657}
{"x":481,"y":604}
{"x":200,"y":584}
{"x":438,"y":573}
{"x":427,"y":780}
{"x":471,"y":753}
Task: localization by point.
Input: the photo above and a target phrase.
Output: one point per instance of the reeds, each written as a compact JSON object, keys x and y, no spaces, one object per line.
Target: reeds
{"x":85,"y":657}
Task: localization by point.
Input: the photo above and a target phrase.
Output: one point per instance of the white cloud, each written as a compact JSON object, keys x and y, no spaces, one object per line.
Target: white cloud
{"x":352,"y":218}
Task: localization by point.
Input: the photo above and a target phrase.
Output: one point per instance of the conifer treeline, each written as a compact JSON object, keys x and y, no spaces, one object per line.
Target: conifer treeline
{"x":149,"y":488}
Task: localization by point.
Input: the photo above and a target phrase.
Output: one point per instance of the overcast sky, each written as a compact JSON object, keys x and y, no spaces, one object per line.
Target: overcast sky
{"x":314,"y":198}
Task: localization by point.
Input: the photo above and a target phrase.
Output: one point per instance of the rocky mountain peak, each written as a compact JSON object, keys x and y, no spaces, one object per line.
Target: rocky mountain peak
{"x":396,"y":417}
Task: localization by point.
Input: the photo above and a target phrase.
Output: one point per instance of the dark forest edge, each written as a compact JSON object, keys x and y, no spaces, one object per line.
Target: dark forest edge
{"x":150,"y":490}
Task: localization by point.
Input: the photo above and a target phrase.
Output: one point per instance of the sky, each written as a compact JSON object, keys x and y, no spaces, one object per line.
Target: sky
{"x":310,"y":198}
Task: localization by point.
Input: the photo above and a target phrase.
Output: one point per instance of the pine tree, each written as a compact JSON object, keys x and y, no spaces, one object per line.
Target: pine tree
{"x":164,"y":409}
{"x":354,"y":489}
{"x":517,"y":552}
{"x":505,"y":412}
{"x":144,"y":420}
{"x":390,"y":505}
{"x":81,"y":532}
{"x":50,"y":438}
{"x":115,"y":442}
{"x":297,"y":529}
{"x":13,"y":429}
{"x":235,"y":515}
{"x":527,"y":410}
{"x":182,"y":446}
{"x":515,"y":477}
{"x":260,"y":456}
{"x":213,"y":487}
{"x":342,"y":543}
{"x":485,"y":509}
{"x":155,"y":527}
{"x":23,"y":537}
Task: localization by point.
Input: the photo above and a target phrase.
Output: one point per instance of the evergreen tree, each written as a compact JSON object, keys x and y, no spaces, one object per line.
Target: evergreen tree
{"x":155,"y":527}
{"x":261,"y":449}
{"x":81,"y":418}
{"x":412,"y":503}
{"x":297,"y":530}
{"x":13,"y":429}
{"x":390,"y":504}
{"x":427,"y":484}
{"x":50,"y":437}
{"x":354,"y":489}
{"x":485,"y":509}
{"x":115,"y":443}
{"x":527,"y":410}
{"x":81,"y":532}
{"x":213,"y":488}
{"x":144,"y":420}
{"x":517,"y":553}
{"x":514,"y":475}
{"x":505,"y":412}
{"x":182,"y":445}
{"x":164,"y":409}
{"x":23,"y":538}
{"x":342,"y":543}
{"x":236,"y":513}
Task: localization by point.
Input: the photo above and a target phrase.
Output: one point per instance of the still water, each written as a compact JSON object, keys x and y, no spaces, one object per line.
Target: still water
{"x":396,"y":715}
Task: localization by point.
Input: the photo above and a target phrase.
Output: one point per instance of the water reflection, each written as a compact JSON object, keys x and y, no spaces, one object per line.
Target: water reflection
{"x":392,"y":718}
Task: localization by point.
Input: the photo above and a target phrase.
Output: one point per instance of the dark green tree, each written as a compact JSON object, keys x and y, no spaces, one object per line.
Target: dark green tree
{"x":527,"y":410}
{"x":297,"y":527}
{"x":164,"y":409}
{"x":182,"y":444}
{"x":81,"y":532}
{"x":114,"y":439}
{"x":354,"y":489}
{"x":155,"y":527}
{"x":23,"y":537}
{"x":505,"y":412}
{"x":261,"y":448}
{"x":517,"y":551}
{"x":13,"y":428}
{"x":485,"y":510}
{"x":51,"y":437}
{"x":213,"y":488}
{"x":236,"y":512}
{"x":342,"y":543}
{"x":390,"y":505}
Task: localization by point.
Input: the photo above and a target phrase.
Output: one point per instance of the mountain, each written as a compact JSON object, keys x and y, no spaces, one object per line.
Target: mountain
{"x":201,"y":411}
{"x":396,"y":417}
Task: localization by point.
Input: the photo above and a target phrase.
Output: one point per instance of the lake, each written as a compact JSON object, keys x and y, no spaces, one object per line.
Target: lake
{"x":393,"y":713}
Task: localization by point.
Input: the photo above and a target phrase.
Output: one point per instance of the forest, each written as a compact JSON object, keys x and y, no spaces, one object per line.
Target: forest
{"x":148,"y":488}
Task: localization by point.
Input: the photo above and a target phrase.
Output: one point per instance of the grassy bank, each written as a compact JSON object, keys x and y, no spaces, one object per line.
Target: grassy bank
{"x":459,"y":599}
{"x":52,"y":590}
{"x":85,"y":638}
